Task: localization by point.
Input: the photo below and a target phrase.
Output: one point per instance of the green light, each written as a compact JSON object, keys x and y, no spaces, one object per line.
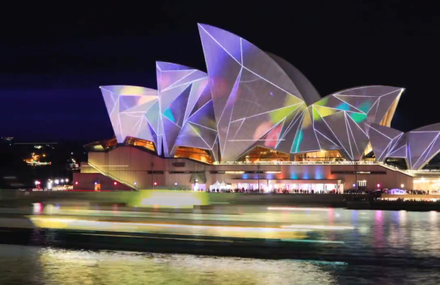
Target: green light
{"x":322,"y":102}
{"x":312,"y":241}
{"x":279,"y":115}
{"x":316,"y":115}
{"x":358,"y":117}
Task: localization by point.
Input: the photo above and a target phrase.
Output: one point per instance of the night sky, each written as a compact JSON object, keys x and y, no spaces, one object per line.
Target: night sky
{"x":54,"y":58}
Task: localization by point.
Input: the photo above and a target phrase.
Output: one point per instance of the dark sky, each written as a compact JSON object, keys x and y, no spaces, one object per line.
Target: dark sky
{"x":52,"y":59}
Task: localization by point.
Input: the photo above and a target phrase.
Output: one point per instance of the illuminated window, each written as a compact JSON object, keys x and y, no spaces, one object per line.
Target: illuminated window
{"x":141,"y":143}
{"x":194,"y":153}
{"x":323,"y":155}
{"x":260,"y":153}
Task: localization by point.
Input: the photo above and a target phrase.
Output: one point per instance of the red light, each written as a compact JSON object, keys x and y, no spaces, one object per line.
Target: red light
{"x":155,"y":183}
{"x":76,"y":182}
{"x":378,"y":185}
{"x":115,"y":183}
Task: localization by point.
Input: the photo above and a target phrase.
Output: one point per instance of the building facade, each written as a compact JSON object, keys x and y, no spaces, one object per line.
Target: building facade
{"x":253,"y":121}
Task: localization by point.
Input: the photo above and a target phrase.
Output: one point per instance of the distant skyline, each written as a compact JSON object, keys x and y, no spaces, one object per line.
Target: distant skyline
{"x":52,"y":64}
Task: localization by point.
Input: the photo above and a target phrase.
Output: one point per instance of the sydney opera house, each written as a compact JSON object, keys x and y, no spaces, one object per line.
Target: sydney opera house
{"x":254,"y":121}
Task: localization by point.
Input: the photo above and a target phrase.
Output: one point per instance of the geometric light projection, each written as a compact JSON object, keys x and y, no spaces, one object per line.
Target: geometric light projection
{"x":418,"y":146}
{"x":260,"y":99}
{"x":252,"y":95}
{"x":386,"y":142}
{"x":341,"y":120}
{"x":187,"y":114}
{"x":133,"y":112}
{"x":251,"y":98}
{"x":422,"y":145}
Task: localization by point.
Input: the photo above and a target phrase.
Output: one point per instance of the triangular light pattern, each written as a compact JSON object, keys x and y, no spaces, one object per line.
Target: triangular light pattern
{"x":128,"y":121}
{"x":180,"y":88}
{"x":246,"y":84}
{"x":253,"y":98}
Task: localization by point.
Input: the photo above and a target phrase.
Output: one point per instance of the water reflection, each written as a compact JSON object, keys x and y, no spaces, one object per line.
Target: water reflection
{"x":32,"y":265}
{"x":376,"y":245}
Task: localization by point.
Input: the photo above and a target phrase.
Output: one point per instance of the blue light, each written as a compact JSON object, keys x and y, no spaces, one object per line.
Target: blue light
{"x":343,"y":106}
{"x":319,"y":173}
{"x":169,"y":114}
{"x":293,"y":175}
{"x":245,"y":176}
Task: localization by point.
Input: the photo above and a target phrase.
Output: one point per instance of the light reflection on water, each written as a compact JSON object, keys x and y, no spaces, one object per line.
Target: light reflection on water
{"x":33,"y":265}
{"x":410,"y":239}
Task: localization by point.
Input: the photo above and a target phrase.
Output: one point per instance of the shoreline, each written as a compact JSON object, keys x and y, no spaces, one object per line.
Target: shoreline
{"x":419,"y":203}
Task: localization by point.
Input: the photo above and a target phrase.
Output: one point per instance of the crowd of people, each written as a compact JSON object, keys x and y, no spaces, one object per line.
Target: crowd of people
{"x":273,"y":191}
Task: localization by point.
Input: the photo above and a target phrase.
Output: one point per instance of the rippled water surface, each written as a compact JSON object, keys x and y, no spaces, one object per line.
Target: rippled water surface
{"x":33,"y":265}
{"x":402,"y":248}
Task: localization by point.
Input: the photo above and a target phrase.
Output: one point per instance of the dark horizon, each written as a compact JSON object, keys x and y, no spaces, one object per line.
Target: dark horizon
{"x":52,"y":64}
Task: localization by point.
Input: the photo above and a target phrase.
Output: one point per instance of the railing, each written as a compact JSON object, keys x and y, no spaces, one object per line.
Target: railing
{"x":391,"y":167}
{"x":427,"y":171}
{"x":112,"y":176}
{"x":294,"y":163}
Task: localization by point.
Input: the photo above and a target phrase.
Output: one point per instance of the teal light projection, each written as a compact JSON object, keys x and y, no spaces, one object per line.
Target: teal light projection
{"x":343,"y":106}
{"x":365,"y":106}
{"x":297,"y":142}
{"x":169,"y":114}
{"x":358,"y":117}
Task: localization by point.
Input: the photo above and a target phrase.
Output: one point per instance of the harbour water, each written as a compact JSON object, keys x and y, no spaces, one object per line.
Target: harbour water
{"x":377,"y":247}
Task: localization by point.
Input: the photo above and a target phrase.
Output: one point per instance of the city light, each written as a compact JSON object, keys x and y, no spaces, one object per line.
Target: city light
{"x":57,"y":181}
{"x":401,"y":186}
{"x":297,"y":209}
{"x":76,"y":182}
{"x":135,"y":183}
{"x":96,"y":183}
{"x":175,"y":183}
{"x":115,"y":183}
{"x":37,"y":182}
{"x":155,"y":183}
{"x":378,"y":185}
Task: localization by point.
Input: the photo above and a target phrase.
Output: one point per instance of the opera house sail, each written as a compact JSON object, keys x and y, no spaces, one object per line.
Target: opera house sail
{"x":250,"y":99}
